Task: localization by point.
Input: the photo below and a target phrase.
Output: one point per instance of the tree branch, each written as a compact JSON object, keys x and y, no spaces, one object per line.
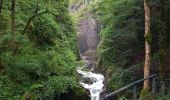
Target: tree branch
{"x":32,"y":17}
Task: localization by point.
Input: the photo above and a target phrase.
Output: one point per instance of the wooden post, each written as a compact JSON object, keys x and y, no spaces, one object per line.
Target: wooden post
{"x":162,"y":90}
{"x":134,"y":93}
{"x":153,"y":89}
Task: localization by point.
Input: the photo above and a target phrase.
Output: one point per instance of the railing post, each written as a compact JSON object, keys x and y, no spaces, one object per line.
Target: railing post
{"x":135,"y":89}
{"x":134,"y":93}
{"x":153,"y":89}
{"x":162,"y":90}
{"x":106,"y":99}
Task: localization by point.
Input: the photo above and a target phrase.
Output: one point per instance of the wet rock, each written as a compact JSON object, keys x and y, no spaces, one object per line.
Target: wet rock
{"x":89,"y":80}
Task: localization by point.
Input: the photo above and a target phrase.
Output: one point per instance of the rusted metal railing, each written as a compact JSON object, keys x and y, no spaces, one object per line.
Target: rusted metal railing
{"x":134,"y":86}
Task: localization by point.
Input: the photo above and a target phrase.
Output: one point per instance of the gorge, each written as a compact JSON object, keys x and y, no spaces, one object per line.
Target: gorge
{"x":84,"y":49}
{"x":88,"y":39}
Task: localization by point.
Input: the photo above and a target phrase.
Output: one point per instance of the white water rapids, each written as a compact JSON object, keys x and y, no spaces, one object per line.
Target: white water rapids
{"x":96,"y":87}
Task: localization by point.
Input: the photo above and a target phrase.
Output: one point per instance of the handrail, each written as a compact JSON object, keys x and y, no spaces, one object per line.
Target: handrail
{"x":130,"y":85}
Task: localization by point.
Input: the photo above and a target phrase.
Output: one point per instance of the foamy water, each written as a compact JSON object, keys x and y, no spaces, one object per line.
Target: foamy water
{"x":97,"y":83}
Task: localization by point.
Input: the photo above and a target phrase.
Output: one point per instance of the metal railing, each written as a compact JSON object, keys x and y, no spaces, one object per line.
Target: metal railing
{"x":134,"y":85}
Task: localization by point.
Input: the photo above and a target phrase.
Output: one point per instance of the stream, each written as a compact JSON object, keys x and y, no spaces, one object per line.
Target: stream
{"x":95,"y":81}
{"x":88,"y":39}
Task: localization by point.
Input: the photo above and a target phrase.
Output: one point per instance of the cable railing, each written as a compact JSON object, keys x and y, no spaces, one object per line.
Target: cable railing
{"x":134,"y":86}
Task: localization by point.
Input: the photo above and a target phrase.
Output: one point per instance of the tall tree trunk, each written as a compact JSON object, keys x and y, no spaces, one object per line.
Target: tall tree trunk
{"x":148,"y":39}
{"x":1,"y":19}
{"x":13,"y":16}
{"x":13,"y":25}
{"x":1,"y":25}
{"x":1,"y":3}
{"x":37,"y":7}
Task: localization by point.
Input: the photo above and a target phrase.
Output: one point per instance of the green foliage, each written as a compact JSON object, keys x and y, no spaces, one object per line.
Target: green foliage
{"x":44,"y":61}
{"x":167,"y":96}
{"x":162,"y":62}
{"x":122,"y":30}
{"x":119,"y":78}
{"x":53,"y":87}
{"x":122,"y":38}
{"x":144,"y":94}
{"x":45,"y":30}
{"x":148,"y":37}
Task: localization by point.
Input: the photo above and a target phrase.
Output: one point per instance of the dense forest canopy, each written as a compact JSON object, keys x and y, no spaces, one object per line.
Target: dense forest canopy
{"x":39,"y":50}
{"x":38,"y":59}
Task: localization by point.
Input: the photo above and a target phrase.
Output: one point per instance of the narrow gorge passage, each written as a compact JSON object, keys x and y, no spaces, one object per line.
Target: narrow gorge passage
{"x":90,"y":80}
{"x":88,"y":40}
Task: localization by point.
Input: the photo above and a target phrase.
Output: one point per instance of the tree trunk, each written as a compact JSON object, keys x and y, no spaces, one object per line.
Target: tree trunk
{"x":37,"y":7}
{"x":148,"y":38}
{"x":1,"y":3}
{"x":13,"y":25}
{"x":13,"y":16}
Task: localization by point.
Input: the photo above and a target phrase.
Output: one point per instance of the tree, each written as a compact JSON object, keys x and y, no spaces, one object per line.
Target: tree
{"x":37,"y":7}
{"x":148,"y":40}
{"x":13,"y":25}
{"x":1,"y":3}
{"x":1,"y":25}
{"x":13,"y":16}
